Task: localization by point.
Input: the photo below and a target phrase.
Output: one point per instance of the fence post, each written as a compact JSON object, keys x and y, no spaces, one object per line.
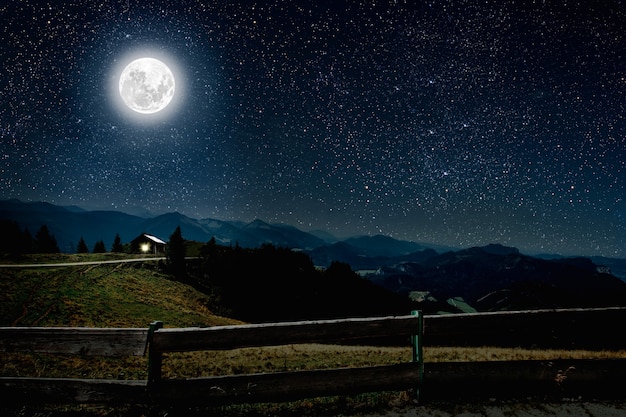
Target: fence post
{"x":155,"y":359}
{"x":416,"y":342}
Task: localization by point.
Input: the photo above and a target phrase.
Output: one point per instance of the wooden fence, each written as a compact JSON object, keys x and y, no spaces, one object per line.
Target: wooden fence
{"x":577,"y":328}
{"x":597,"y":329}
{"x":222,"y":389}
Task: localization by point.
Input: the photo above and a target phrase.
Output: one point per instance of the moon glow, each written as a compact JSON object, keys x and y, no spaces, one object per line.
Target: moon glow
{"x":147,"y":85}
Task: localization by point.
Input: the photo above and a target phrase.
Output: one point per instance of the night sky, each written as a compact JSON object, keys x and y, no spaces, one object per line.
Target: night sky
{"x":452,"y":122}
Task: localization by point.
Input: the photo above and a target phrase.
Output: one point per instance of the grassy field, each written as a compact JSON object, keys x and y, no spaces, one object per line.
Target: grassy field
{"x":107,"y":295}
{"x":133,"y":295}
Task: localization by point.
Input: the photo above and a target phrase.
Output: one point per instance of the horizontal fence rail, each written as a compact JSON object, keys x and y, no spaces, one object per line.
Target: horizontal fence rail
{"x":285,"y":386}
{"x":577,"y":328}
{"x":74,"y":340}
{"x":558,"y":378}
{"x":272,"y":334}
{"x":73,"y":391}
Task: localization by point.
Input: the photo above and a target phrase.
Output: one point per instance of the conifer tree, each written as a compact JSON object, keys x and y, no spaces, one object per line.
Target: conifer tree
{"x":117,"y":244}
{"x":26,"y":243}
{"x":175,"y":253}
{"x":10,"y":236}
{"x":82,"y":246}
{"x":45,"y":242}
{"x":99,"y":247}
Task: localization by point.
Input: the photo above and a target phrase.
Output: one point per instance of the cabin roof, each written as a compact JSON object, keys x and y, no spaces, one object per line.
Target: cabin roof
{"x":154,"y":238}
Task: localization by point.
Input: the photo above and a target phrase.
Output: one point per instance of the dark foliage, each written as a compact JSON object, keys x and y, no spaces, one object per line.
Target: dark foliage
{"x":175,"y":254}
{"x":45,"y":242}
{"x":99,"y":247}
{"x":27,"y":243}
{"x":82,"y":246}
{"x":117,"y":244}
{"x":277,"y":284}
{"x":493,"y":280}
{"x":15,"y":241}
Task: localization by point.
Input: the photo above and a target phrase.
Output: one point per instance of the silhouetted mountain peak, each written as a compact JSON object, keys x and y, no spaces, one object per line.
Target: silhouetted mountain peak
{"x":29,"y":206}
{"x":324,"y":235}
{"x":506,"y":280}
{"x":258,"y":224}
{"x":381,"y":245}
{"x":498,"y":249}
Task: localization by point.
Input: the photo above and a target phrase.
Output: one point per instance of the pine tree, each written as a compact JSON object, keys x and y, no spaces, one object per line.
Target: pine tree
{"x":117,"y":244}
{"x":26,"y":242}
{"x":99,"y":247}
{"x":82,"y":246}
{"x":10,"y":236}
{"x":175,"y":253}
{"x":45,"y":242}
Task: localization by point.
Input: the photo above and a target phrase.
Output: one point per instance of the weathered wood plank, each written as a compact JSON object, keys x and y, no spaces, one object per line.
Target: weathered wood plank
{"x":72,"y":391}
{"x":570,"y":378}
{"x":231,"y":337}
{"x":74,"y":341}
{"x":283,"y":386}
{"x":442,"y":381}
{"x":563,"y":329}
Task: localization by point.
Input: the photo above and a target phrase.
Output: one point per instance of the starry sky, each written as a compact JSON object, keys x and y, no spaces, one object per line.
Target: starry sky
{"x":452,"y":122}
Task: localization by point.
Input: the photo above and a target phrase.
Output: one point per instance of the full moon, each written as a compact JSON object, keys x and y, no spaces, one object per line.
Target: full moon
{"x":147,"y":85}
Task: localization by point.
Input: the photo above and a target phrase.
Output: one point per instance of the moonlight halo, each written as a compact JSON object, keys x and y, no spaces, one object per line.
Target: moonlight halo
{"x":147,"y":85}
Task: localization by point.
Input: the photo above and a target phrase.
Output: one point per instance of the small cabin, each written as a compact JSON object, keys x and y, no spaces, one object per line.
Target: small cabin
{"x":148,"y":244}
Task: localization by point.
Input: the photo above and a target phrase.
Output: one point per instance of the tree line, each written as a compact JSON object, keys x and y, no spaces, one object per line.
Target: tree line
{"x":272,"y":283}
{"x":99,"y":246}
{"x":17,"y":241}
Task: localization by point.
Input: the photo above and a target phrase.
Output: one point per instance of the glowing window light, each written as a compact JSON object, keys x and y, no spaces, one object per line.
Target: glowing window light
{"x":145,"y":247}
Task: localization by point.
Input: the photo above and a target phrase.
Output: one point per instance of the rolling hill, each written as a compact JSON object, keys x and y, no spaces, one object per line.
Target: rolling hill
{"x":107,"y":295}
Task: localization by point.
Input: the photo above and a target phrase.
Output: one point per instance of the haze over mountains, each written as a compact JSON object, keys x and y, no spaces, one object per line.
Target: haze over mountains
{"x":69,"y":223}
{"x":435,"y":279}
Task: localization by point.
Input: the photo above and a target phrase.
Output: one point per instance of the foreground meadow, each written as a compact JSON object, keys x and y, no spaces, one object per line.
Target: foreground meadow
{"x":133,"y":295}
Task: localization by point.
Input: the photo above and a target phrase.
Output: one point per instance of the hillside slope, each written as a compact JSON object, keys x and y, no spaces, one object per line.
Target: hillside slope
{"x":110,"y":295}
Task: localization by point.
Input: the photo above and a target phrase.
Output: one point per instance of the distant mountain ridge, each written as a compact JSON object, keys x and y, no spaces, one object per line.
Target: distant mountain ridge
{"x":69,"y":223}
{"x":489,"y":278}
{"x":495,"y":278}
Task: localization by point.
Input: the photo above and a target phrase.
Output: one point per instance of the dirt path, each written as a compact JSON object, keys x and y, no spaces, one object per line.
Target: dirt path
{"x":117,"y":261}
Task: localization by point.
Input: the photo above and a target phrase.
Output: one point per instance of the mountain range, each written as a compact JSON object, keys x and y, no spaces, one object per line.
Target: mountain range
{"x":69,"y":223}
{"x":495,"y":277}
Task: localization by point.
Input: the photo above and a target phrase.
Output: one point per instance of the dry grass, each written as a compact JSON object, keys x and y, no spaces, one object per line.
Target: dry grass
{"x":469,"y":354}
{"x":255,"y":360}
{"x":317,"y":356}
{"x":268,"y":359}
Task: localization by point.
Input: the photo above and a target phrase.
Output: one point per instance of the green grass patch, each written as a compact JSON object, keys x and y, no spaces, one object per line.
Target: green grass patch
{"x":106,"y":295}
